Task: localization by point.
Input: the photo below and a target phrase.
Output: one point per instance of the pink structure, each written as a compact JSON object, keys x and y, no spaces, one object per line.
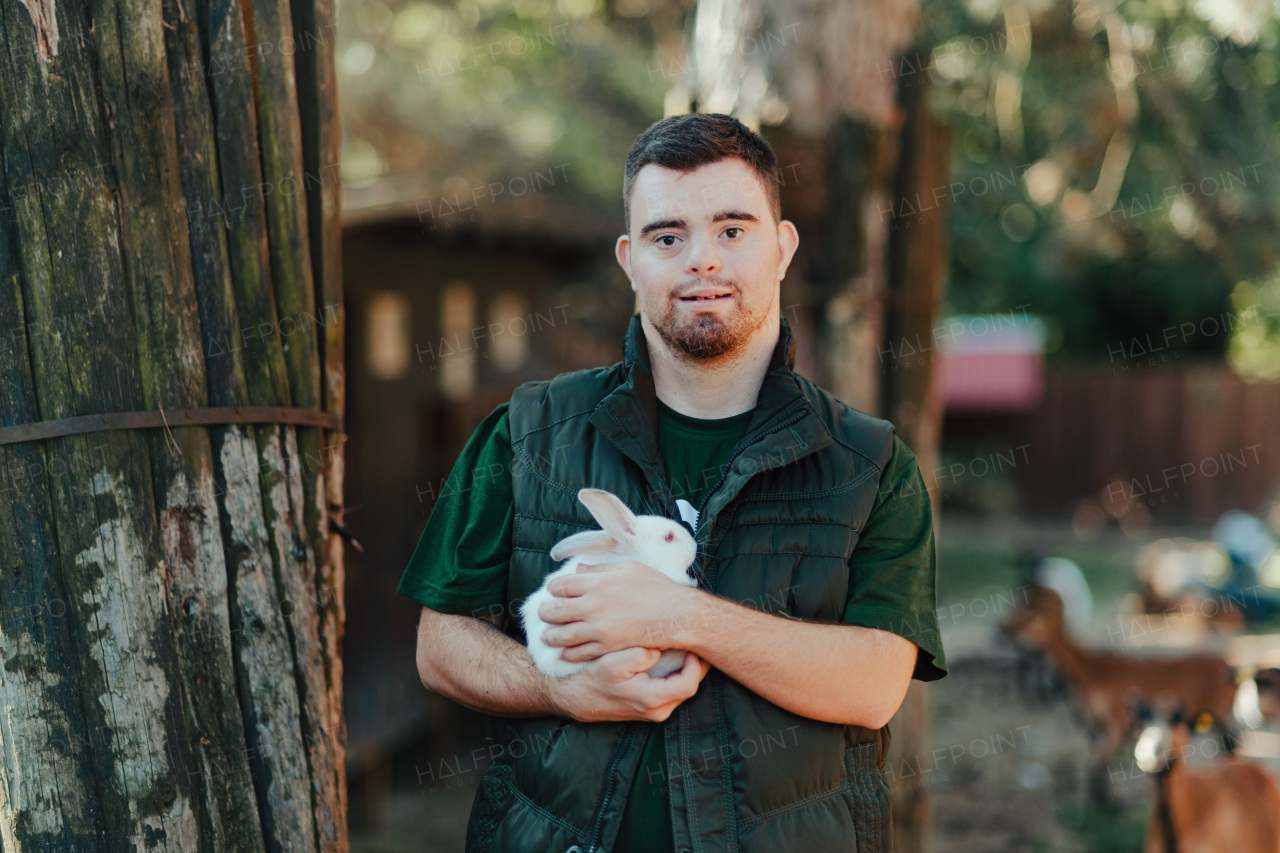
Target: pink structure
{"x":991,"y":362}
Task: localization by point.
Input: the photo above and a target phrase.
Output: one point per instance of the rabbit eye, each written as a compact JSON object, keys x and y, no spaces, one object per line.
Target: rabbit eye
{"x":671,"y":537}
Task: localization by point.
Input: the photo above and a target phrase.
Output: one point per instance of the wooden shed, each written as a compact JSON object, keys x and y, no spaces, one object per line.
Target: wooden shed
{"x":448,"y":310}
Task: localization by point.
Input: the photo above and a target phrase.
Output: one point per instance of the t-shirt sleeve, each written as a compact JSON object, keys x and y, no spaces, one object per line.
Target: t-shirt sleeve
{"x":461,"y":561}
{"x":892,"y":573}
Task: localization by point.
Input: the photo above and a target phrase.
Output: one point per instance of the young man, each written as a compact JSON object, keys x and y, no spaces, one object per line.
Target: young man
{"x":815,"y":602}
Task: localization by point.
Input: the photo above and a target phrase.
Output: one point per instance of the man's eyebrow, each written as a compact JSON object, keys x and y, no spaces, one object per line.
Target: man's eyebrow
{"x":664,"y":223}
{"x":735,"y":214}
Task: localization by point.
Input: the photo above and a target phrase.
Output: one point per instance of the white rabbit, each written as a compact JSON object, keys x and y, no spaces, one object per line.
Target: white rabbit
{"x":656,"y":541}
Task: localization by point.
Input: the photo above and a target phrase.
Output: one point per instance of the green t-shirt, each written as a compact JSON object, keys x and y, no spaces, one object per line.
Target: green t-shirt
{"x":461,"y":561}
{"x":694,"y":451}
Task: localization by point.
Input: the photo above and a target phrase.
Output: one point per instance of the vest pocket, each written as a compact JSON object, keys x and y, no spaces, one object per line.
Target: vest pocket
{"x":818,"y":584}
{"x":492,"y":801}
{"x":504,"y":819}
{"x":870,"y":806}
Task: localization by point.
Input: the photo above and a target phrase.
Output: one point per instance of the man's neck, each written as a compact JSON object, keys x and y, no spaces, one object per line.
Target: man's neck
{"x":716,"y":389}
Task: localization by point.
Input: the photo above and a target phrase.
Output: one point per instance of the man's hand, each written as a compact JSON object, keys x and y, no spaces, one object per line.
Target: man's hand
{"x":831,"y":672}
{"x":610,"y":607}
{"x":483,"y":669}
{"x":617,"y":686}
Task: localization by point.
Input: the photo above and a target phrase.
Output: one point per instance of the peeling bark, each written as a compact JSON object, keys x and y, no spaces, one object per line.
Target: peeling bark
{"x":44,"y":18}
{"x":271,"y":708}
{"x":128,"y":661}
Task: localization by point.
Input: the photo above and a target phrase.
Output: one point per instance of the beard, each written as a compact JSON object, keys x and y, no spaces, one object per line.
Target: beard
{"x":707,"y":335}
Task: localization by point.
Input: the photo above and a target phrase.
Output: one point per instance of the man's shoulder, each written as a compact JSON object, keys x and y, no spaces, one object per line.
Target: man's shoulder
{"x":542,"y":402}
{"x":851,"y":428}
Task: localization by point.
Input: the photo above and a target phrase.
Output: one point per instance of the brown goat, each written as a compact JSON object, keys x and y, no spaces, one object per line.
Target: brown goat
{"x":1231,"y":806}
{"x":1103,"y":682}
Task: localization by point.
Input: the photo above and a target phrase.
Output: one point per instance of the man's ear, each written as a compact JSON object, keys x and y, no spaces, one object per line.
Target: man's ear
{"x":622,"y":251}
{"x":788,"y":240}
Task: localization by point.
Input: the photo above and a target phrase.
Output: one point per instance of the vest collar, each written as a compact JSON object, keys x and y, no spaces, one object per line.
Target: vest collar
{"x":627,"y":416}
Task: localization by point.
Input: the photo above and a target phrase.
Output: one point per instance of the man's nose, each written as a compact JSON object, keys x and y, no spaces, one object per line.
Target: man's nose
{"x":704,"y":256}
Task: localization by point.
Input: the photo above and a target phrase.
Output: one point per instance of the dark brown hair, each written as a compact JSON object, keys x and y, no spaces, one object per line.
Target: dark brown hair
{"x":687,"y":142}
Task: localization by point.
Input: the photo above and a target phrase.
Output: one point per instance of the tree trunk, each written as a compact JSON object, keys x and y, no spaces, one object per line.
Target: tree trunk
{"x":170,"y":599}
{"x":916,"y":275}
{"x":859,"y":139}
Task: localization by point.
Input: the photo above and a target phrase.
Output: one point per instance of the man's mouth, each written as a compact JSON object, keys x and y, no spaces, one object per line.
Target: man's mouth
{"x":706,"y":298}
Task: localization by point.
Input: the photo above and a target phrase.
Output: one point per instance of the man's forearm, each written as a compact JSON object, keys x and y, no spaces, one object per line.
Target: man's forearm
{"x":837,"y":673}
{"x":480,"y":667}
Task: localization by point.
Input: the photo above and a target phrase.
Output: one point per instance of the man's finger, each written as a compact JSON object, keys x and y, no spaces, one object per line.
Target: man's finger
{"x":634,"y":659}
{"x":559,"y":611}
{"x":571,"y":634}
{"x":685,"y":664}
{"x":583,"y":568}
{"x":582,"y":652}
{"x":568,"y":586}
{"x":683,"y":683}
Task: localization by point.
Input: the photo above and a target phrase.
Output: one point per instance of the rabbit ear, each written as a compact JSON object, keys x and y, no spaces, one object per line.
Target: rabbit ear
{"x":611,"y":513}
{"x":586,"y":542}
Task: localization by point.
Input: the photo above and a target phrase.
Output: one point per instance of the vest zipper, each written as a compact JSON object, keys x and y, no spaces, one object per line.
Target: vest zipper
{"x":724,"y":471}
{"x":624,"y":743}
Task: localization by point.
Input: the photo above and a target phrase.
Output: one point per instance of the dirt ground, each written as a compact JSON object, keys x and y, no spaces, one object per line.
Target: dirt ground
{"x":1008,"y":769}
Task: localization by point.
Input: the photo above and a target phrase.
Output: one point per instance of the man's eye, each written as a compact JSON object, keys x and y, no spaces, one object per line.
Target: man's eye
{"x":667,"y":237}
{"x":732,"y":236}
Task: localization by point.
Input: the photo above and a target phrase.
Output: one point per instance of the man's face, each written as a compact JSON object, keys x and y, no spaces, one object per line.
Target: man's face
{"x":705,"y":233}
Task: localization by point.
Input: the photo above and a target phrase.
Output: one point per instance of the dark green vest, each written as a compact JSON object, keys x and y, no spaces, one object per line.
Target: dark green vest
{"x":776,"y":533}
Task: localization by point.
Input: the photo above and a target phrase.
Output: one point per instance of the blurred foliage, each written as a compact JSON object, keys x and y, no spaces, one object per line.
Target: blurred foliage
{"x":1255,"y":347}
{"x":468,"y":92}
{"x":1114,"y":169}
{"x":976,"y":562}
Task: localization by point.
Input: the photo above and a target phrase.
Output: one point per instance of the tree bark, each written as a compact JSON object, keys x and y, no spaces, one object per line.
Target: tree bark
{"x":860,"y":137}
{"x":917,"y":268}
{"x":170,"y":643}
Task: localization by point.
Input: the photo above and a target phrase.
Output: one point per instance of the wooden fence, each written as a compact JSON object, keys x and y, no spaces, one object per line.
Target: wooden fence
{"x":1185,"y":444}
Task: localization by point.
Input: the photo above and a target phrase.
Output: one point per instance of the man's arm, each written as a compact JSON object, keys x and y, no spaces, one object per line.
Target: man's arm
{"x":838,"y":673}
{"x":481,"y":668}
{"x":478,"y":666}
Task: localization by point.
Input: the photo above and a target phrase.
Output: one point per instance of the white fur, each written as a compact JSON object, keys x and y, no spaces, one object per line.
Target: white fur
{"x":625,"y":537}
